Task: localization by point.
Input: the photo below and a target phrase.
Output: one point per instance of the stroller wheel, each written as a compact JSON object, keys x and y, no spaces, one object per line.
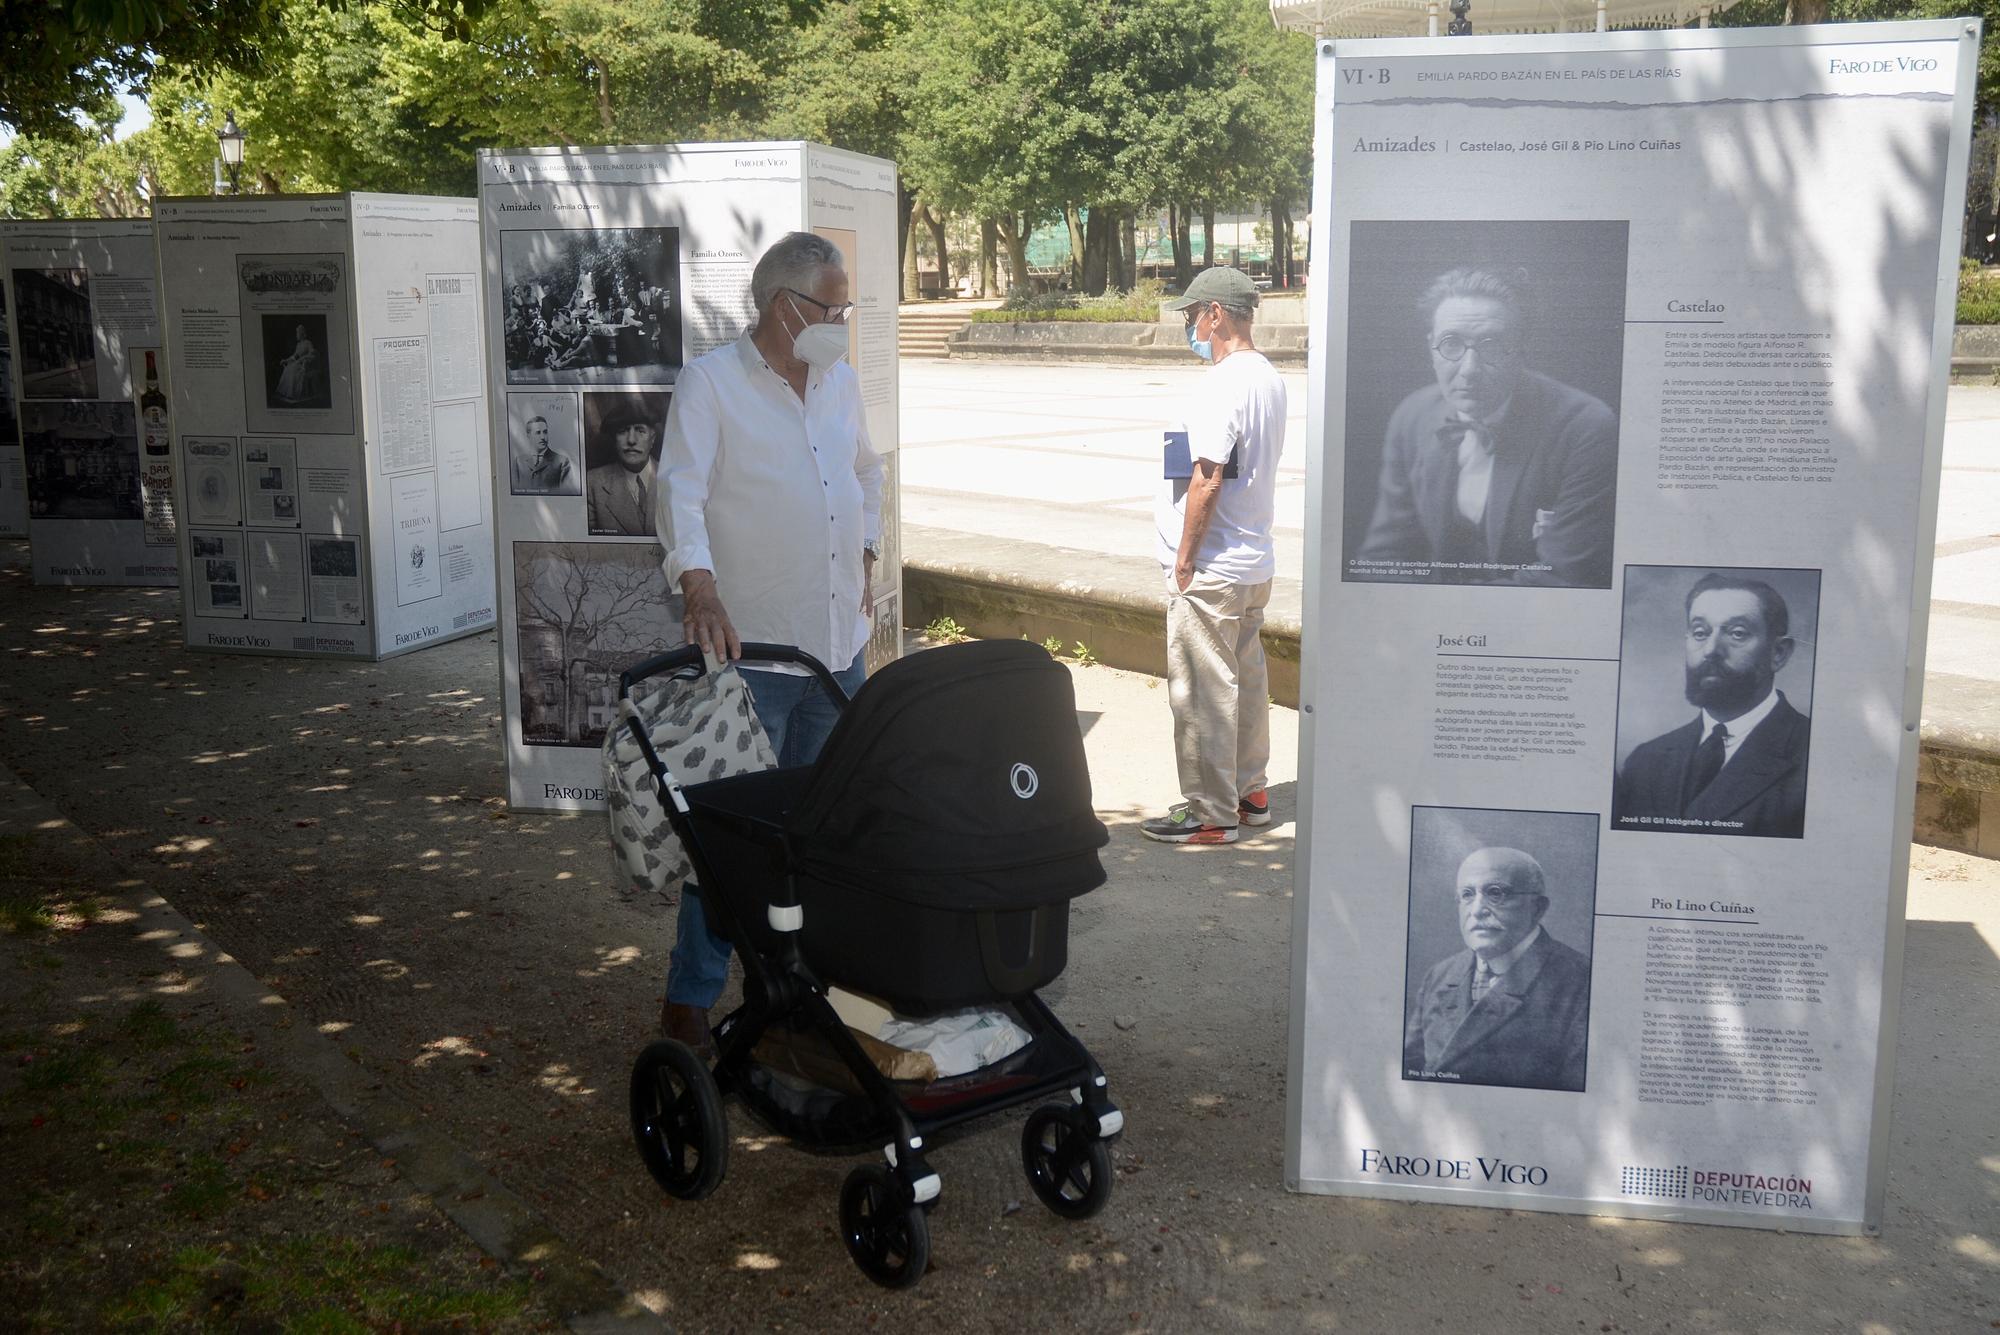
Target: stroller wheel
{"x":1069,"y":1168}
{"x":677,"y":1120}
{"x":886,"y":1233}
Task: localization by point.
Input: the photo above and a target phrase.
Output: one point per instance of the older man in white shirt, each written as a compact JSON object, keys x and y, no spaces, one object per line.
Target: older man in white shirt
{"x":770,"y":518}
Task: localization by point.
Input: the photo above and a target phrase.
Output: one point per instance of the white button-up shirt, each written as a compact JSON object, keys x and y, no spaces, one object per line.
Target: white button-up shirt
{"x":774,"y":495}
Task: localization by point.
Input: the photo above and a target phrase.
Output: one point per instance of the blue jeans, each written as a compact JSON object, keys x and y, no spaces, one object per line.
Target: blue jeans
{"x":797,"y":715}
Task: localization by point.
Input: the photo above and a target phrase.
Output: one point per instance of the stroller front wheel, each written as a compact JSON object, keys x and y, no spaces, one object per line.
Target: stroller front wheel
{"x":887,"y":1234}
{"x":678,"y":1121}
{"x":1067,"y":1165}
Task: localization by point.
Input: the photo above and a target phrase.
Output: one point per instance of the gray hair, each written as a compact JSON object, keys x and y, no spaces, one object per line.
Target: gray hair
{"x":1523,"y":872}
{"x":793,"y":261}
{"x":1511,"y":287}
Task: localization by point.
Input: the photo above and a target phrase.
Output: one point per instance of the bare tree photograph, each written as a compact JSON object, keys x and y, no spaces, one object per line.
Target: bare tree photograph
{"x":585,"y":612}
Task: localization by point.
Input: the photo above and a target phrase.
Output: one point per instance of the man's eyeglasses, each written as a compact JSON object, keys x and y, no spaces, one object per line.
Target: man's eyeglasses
{"x":1492,"y":348}
{"x":834,"y":314}
{"x":1499,"y":896}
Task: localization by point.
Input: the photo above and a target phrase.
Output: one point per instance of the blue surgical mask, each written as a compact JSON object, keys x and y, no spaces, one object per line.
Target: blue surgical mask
{"x":1202,"y":347}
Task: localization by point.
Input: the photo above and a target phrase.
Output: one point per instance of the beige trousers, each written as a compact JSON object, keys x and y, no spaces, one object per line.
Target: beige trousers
{"x":1220,"y":691}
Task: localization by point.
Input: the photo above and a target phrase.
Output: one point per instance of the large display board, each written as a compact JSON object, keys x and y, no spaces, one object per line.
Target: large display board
{"x":1628,"y":372}
{"x":606,"y":271}
{"x":84,"y":467}
{"x":329,"y":422}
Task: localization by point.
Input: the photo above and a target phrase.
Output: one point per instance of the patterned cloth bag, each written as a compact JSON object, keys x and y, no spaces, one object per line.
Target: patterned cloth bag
{"x":702,"y":729}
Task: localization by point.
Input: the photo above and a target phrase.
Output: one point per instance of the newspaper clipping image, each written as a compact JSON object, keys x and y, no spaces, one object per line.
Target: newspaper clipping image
{"x":296,"y":344}
{"x":333,"y":567}
{"x":217,"y":574}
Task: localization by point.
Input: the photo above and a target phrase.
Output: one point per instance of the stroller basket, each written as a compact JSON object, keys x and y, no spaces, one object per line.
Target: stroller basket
{"x":937,"y":843}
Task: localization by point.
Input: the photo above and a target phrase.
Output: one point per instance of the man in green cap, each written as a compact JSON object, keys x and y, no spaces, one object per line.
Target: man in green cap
{"x":1215,"y":511}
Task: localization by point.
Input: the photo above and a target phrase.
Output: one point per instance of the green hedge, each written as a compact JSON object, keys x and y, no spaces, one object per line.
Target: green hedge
{"x":1978,"y":294}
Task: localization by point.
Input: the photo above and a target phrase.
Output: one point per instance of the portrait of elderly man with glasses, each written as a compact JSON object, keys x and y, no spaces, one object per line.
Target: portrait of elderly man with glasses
{"x":1513,"y":1007}
{"x":771,"y":520}
{"x":1494,"y":473}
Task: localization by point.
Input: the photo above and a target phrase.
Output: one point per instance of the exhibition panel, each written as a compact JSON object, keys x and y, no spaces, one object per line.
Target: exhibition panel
{"x":328,"y":420}
{"x":1628,"y":379}
{"x":607,"y":271}
{"x":84,"y":467}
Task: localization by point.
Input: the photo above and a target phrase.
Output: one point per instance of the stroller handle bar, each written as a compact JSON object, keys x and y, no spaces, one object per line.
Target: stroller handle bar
{"x":689,"y":656}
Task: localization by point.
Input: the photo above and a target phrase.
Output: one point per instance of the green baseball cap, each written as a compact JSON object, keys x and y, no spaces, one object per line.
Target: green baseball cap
{"x":1231,"y":287}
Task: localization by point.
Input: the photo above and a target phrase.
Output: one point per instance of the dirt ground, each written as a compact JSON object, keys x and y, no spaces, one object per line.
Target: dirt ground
{"x":164,"y":1173}
{"x":339,"y":829}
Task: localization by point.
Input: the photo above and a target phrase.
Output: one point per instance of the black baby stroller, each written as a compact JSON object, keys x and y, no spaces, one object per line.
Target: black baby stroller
{"x":927,"y":859}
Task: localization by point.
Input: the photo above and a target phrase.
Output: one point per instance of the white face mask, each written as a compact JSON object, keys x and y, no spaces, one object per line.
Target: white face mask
{"x":819,"y":346}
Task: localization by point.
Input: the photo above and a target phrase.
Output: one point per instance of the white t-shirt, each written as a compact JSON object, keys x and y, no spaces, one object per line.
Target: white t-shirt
{"x":1240,"y":406}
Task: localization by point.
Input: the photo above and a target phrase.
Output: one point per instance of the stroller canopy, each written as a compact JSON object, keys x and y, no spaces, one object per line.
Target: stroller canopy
{"x":956,"y":779}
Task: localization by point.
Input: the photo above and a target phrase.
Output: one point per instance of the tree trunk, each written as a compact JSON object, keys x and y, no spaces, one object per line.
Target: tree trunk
{"x":912,"y":284}
{"x":989,"y":241}
{"x":1096,"y":247}
{"x":1805,"y":11}
{"x":1129,"y":227}
{"x":1183,"y":245}
{"x":1014,"y":235}
{"x":604,"y":98}
{"x":1115,"y":252}
{"x":935,"y":220}
{"x":906,"y":288}
{"x":1075,"y":221}
{"x":1208,"y":236}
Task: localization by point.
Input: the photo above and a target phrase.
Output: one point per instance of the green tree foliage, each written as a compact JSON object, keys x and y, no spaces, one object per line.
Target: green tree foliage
{"x":65,"y":58}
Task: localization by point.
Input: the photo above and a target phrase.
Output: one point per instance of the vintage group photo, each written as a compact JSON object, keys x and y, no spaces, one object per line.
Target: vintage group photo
{"x":1484,"y":366}
{"x":592,"y":307}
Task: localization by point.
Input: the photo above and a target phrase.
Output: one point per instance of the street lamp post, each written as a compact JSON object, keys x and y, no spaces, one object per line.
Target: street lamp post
{"x":230,"y":138}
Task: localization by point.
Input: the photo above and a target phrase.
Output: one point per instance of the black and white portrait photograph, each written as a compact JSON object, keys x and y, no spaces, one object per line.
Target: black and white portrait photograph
{"x":544,"y":445}
{"x":58,"y":342}
{"x":1484,"y":364}
{"x":585,"y":611}
{"x":1715,"y":695}
{"x":622,"y":432}
{"x":295,"y":365}
{"x":1497,"y":975}
{"x":218,"y":570}
{"x":205,"y":545}
{"x":82,"y":460}
{"x":598,"y":307}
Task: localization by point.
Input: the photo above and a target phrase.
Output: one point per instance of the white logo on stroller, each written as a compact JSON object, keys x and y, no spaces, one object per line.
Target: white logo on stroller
{"x":1026,"y":782}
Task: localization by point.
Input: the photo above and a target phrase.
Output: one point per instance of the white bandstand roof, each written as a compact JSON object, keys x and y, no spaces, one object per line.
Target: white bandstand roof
{"x":1415,"y":18}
